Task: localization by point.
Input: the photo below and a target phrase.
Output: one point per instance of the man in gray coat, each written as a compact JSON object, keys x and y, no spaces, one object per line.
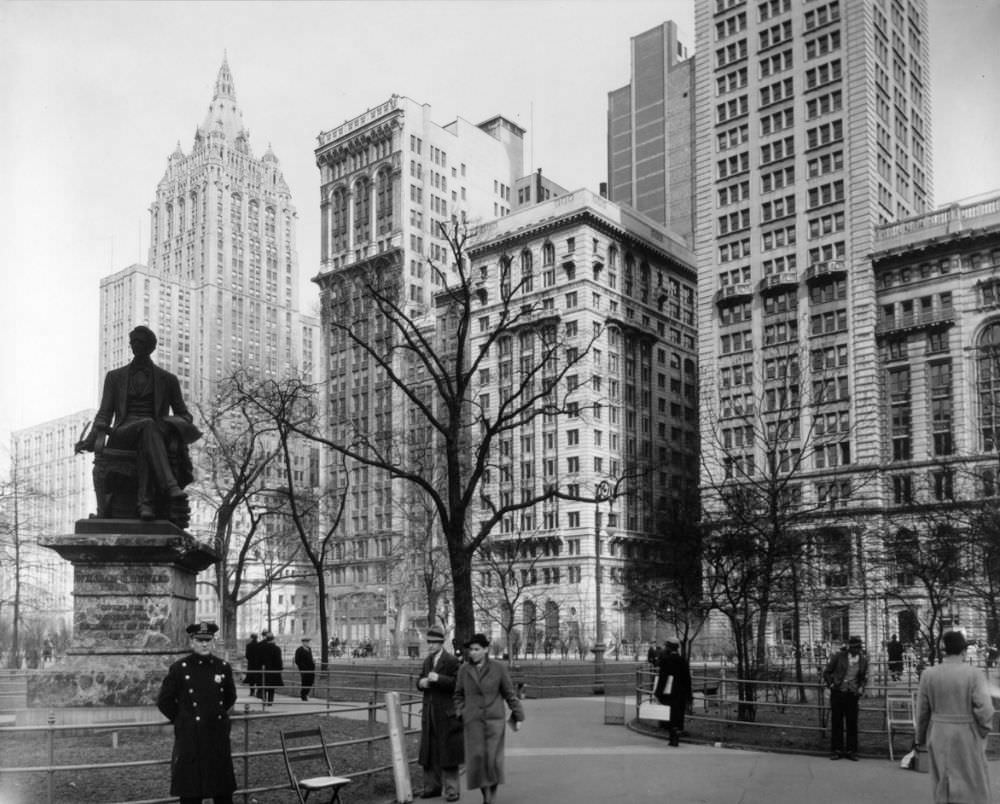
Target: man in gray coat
{"x":954,"y":715}
{"x":441,"y":749}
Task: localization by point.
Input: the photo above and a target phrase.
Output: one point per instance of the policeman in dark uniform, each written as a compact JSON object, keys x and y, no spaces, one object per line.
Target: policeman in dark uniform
{"x":196,"y":697}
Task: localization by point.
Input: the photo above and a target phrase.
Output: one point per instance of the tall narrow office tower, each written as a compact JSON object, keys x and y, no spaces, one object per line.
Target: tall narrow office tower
{"x":388,"y":177}
{"x":650,"y":133}
{"x":814,"y":128}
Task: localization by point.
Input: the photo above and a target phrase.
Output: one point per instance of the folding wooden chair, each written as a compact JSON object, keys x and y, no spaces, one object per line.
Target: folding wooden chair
{"x":305,"y":752}
{"x":900,"y":714}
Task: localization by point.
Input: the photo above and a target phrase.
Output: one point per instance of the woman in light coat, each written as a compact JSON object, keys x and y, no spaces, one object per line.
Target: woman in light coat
{"x":481,"y":688}
{"x":954,"y":715}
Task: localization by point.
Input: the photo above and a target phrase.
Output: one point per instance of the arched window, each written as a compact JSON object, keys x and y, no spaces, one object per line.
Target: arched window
{"x":988,"y":385}
{"x":383,"y":207}
{"x":170,"y":221}
{"x":362,"y":211}
{"x":548,"y":254}
{"x":527,"y":276}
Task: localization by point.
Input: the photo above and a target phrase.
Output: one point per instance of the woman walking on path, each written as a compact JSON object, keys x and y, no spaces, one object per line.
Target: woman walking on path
{"x":481,"y":688}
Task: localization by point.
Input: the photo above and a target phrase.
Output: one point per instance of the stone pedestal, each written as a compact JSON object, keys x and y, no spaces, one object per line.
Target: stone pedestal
{"x":133,"y":597}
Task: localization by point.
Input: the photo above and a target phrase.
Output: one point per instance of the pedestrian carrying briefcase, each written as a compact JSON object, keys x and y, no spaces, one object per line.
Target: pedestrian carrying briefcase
{"x":651,"y":710}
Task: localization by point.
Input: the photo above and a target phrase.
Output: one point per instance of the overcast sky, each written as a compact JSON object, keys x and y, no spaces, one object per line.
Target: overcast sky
{"x":94,"y":96}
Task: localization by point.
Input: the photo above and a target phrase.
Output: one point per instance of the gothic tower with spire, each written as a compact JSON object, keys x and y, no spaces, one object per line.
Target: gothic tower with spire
{"x":221,"y":286}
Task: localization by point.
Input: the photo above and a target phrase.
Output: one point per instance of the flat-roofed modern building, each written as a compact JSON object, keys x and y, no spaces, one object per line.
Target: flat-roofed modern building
{"x":651,"y":132}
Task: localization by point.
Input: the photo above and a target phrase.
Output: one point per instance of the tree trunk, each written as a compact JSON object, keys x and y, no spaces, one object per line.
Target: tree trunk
{"x":461,"y":575}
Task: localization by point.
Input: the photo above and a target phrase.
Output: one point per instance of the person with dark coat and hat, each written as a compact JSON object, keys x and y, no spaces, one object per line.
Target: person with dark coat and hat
{"x":196,"y":697}
{"x":307,"y":667}
{"x":673,"y":686}
{"x":271,"y":665}
{"x":441,"y":749}
{"x":846,"y":675}
{"x":252,"y":654}
{"x":481,"y":689}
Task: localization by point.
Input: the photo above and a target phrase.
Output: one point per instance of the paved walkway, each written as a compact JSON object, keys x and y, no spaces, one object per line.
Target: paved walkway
{"x":564,"y":754}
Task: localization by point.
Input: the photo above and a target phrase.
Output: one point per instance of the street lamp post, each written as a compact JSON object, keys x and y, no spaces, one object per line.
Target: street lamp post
{"x":603,"y":491}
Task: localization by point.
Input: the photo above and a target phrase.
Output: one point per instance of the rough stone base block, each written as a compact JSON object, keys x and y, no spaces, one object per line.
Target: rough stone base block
{"x":133,"y":598}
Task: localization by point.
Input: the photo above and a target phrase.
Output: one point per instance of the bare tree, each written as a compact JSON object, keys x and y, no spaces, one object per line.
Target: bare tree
{"x":237,"y":460}
{"x":432,"y":367}
{"x":20,"y":556}
{"x":312,"y":508}
{"x":928,"y":562}
{"x":669,"y":588}
{"x":760,"y":512}
{"x":507,"y":594}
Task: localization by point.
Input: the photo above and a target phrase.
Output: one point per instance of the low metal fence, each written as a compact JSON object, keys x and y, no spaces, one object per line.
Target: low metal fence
{"x":247,"y":754}
{"x":778,"y":712}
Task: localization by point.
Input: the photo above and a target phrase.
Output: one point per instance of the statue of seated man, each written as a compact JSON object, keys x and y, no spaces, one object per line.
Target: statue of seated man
{"x":135,"y":414}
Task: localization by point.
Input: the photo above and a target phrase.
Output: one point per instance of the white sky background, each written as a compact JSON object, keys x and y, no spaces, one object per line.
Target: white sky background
{"x":94,"y":96}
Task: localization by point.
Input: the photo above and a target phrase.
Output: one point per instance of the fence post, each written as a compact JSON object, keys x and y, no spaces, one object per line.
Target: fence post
{"x":246,"y":751}
{"x":371,"y":744}
{"x":52,"y":756}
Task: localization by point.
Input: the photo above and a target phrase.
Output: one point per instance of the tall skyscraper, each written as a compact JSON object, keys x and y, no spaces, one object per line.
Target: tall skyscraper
{"x":388,"y":178}
{"x":651,"y":133}
{"x":221,"y":289}
{"x":813,"y":128}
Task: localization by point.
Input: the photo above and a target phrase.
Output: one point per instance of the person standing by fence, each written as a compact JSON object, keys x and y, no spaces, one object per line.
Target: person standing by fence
{"x":954,"y":716}
{"x":894,"y":653}
{"x":271,"y":666}
{"x":252,"y":654}
{"x":307,"y":668}
{"x":196,"y":697}
{"x":846,"y":675}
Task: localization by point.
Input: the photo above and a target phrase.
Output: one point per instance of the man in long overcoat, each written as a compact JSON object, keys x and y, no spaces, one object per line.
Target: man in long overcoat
{"x":252,"y":653}
{"x":440,"y":727}
{"x":271,"y":666}
{"x":954,"y":715}
{"x":307,"y":668}
{"x":673,"y":686}
{"x":482,"y":688}
{"x":196,"y":697}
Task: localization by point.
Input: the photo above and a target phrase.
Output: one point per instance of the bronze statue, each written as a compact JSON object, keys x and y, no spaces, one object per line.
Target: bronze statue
{"x":138,"y":443}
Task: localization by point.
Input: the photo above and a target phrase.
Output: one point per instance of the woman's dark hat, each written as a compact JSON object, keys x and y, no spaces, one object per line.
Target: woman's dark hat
{"x":478,"y":639}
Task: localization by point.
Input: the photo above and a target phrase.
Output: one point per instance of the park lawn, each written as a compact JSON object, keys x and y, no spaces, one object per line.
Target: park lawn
{"x":155,"y":742}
